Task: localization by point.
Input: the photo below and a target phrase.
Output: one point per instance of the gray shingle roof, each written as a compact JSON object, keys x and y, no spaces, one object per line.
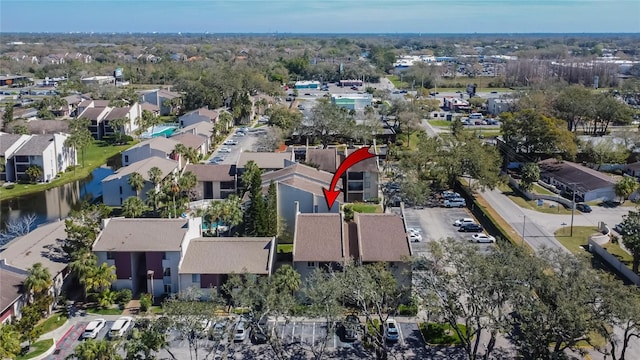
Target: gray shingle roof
{"x":586,"y":179}
{"x":264,"y":160}
{"x":142,"y":167}
{"x":190,"y":140}
{"x":6,"y":140}
{"x":326,"y":159}
{"x":35,"y":146}
{"x":92,"y":113}
{"x":10,"y":288}
{"x":117,"y":113}
{"x":160,"y":143}
{"x":211,"y":172}
{"x":228,"y":255}
{"x":142,"y":235}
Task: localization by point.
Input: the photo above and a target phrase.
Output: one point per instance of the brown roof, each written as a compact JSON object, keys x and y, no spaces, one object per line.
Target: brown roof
{"x":211,"y":172}
{"x":264,"y":160}
{"x":211,"y":114}
{"x":149,"y":107}
{"x":368,"y":165}
{"x":199,"y":128}
{"x":190,"y":140}
{"x":117,"y":113}
{"x":318,"y":237}
{"x":586,"y":179}
{"x":10,"y":288}
{"x":633,"y":166}
{"x":381,"y":237}
{"x":237,"y":255}
{"x":142,"y":235}
{"x":326,"y":159}
{"x":298,"y":170}
{"x":142,"y":167}
{"x":92,"y":113}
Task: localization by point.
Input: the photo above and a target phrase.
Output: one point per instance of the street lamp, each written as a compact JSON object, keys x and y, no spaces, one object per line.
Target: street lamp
{"x":573,"y":208}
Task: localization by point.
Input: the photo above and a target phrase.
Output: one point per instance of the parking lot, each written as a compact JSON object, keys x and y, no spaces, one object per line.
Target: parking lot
{"x":73,"y":338}
{"x":436,"y":223}
{"x":244,"y":143}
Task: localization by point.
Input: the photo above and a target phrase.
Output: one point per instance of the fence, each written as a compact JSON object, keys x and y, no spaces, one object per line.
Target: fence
{"x":531,"y":196}
{"x":613,"y":261}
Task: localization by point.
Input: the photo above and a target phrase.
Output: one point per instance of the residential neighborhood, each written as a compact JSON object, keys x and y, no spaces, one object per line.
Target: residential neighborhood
{"x":432,"y":200}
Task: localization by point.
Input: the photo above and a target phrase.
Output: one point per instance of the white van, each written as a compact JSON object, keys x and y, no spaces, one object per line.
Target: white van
{"x":120,"y":327}
{"x":455,"y":202}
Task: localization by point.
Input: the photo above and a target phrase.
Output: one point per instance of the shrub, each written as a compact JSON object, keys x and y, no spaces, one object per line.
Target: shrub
{"x":145,"y":302}
{"x":10,"y":186}
{"x":123,"y":297}
{"x":410,"y":309}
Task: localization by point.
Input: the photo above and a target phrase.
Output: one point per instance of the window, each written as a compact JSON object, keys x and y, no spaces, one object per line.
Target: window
{"x":167,"y":289}
{"x":195,"y":278}
{"x":167,"y":272}
{"x":311,"y":264}
{"x":126,"y":158}
{"x":120,"y":190}
{"x":164,"y":256}
{"x":110,"y":255}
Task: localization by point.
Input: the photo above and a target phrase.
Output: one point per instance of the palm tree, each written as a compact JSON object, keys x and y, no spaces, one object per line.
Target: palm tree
{"x":82,"y":269}
{"x":38,"y":281}
{"x":136,"y":181}
{"x":181,"y":150}
{"x":186,"y":182}
{"x":133,"y":207}
{"x":95,"y":350}
{"x":286,"y":279}
{"x":232,"y":212}
{"x":101,"y":277}
{"x":107,"y":298}
{"x":215,"y":210}
{"x":153,"y":197}
{"x":119,"y":128}
{"x":9,"y":342}
{"x":155,"y":175}
{"x":34,"y":172}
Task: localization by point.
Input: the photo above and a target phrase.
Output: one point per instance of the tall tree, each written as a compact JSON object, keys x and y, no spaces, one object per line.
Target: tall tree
{"x":631,"y":227}
{"x":529,"y":175}
{"x":231,"y":214}
{"x":9,"y":342}
{"x":35,"y":173}
{"x":625,"y":187}
{"x":155,"y":176}
{"x":272,"y":210}
{"x":79,"y":135}
{"x":136,"y":181}
{"x":95,"y":350}
{"x":575,"y":105}
{"x":120,"y":129}
{"x":7,"y":116}
{"x":100,"y":278}
{"x":327,"y":121}
{"x":38,"y":281}
{"x":133,"y":207}
{"x":256,"y":215}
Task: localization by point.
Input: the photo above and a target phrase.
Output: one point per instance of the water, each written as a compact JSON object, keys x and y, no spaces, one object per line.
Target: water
{"x":56,"y":203}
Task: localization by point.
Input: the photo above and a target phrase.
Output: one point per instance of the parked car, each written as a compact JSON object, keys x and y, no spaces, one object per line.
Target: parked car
{"x":230,"y":142}
{"x":120,"y":327}
{"x":354,"y":88}
{"x":619,"y":229}
{"x":455,"y":202}
{"x":93,"y":328}
{"x":241,"y":331}
{"x":224,"y":150}
{"x":350,"y":327}
{"x":391,"y":330}
{"x":239,"y":134}
{"x":217,"y":160}
{"x":464,"y":221}
{"x":258,"y":335}
{"x":583,"y":208}
{"x":218,"y":329}
{"x":470,"y":228}
{"x":450,"y":195}
{"x":483,"y":238}
{"x":415,"y":237}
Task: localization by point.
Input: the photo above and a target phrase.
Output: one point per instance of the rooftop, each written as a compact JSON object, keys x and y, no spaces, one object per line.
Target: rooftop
{"x":586,"y":179}
{"x":211,"y":114}
{"x":326,"y":159}
{"x":35,"y":145}
{"x":237,"y":255}
{"x":264,"y":160}
{"x":159,"y":143}
{"x":92,"y":113}
{"x":121,"y":234}
{"x":190,"y":140}
{"x":142,"y":167}
{"x":199,"y":128}
{"x":211,"y":172}
{"x":6,"y":140}
{"x":118,"y":113}
{"x":381,"y":237}
{"x":367,"y":165}
{"x":10,"y":288}
{"x":318,"y":237}
{"x":42,"y":245}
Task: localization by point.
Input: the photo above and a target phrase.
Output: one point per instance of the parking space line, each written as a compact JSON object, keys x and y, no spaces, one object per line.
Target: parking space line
{"x":282,"y":334}
{"x":400,"y":335}
{"x":335,"y":341}
{"x":293,"y":330}
{"x":313,"y":335}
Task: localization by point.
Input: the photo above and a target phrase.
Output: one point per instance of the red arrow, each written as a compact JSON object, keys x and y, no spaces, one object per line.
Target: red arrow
{"x":361,"y":154}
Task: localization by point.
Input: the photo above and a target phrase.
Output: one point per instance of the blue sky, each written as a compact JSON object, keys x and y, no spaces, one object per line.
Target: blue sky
{"x":324,"y":16}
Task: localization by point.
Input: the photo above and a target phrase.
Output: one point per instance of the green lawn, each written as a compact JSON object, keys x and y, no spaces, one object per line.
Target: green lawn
{"x":53,"y":322}
{"x":440,"y":123}
{"x":617,"y":251}
{"x":365,"y":208}
{"x":37,"y":348}
{"x":96,"y":155}
{"x":168,"y":119}
{"x":533,"y":204}
{"x":485,"y":133}
{"x":395,"y":80}
{"x":440,"y":334}
{"x":580,"y":236}
{"x":285,"y":248}
{"x":540,"y":190}
{"x":100,"y":311}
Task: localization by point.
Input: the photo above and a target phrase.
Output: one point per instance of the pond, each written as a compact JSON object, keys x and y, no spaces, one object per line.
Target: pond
{"x":56,"y":203}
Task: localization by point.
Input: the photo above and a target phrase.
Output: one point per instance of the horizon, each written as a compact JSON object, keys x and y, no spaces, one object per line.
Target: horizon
{"x":322,"y":17}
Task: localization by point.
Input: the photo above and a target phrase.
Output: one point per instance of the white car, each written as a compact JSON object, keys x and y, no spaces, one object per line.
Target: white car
{"x":414,"y":230}
{"x":224,"y":150}
{"x":93,"y":328}
{"x":120,"y":327}
{"x":483,"y":238}
{"x":415,"y":237}
{"x":239,"y":133}
{"x":464,"y":221}
{"x":241,"y":331}
{"x":231,"y":142}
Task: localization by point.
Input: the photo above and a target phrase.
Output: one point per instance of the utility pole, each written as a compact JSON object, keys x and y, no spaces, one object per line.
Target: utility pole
{"x":573,"y":208}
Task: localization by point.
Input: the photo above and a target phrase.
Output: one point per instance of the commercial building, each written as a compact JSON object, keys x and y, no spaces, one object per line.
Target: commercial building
{"x":352,"y":101}
{"x":307,"y":84}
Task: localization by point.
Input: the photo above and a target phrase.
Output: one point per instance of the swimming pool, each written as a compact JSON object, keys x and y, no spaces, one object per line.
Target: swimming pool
{"x":159,"y":131}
